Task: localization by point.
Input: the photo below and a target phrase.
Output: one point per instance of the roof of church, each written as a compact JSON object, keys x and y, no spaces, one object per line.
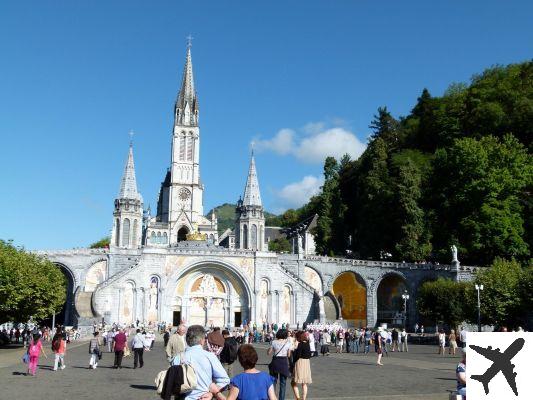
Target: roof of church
{"x":128,"y":184}
{"x":252,"y":196}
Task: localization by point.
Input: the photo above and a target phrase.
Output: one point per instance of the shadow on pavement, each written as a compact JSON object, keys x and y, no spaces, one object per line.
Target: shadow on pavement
{"x":143,"y":387}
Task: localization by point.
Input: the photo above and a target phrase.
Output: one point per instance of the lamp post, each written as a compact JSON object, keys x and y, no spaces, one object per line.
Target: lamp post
{"x":478,"y":288}
{"x":405,"y":297}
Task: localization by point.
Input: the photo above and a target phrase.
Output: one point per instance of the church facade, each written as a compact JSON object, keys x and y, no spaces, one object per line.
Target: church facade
{"x":173,"y":267}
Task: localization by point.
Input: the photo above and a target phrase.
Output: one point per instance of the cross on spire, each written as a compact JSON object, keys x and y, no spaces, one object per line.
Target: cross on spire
{"x":189,"y":40}
{"x":131,"y":133}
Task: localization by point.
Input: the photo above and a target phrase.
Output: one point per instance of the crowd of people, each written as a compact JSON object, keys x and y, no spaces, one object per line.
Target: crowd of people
{"x":212,"y":354}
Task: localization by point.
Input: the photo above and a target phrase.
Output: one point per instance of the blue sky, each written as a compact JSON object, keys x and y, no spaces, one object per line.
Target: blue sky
{"x":300,"y":79}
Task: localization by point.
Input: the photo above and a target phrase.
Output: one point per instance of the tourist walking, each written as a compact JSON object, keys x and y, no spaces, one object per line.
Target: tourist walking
{"x":138,"y":344}
{"x":109,"y":339}
{"x":340,"y":341}
{"x":368,"y":338}
{"x":302,"y":366}
{"x":312,"y":343}
{"x":462,"y":337}
{"x":176,"y":343}
{"x":94,"y":351}
{"x":442,"y":341}
{"x":252,"y":383}
{"x":228,"y":355}
{"x":279,"y":366}
{"x":460,"y":374}
{"x":210,"y":375}
{"x":378,"y":345}
{"x":395,"y":340}
{"x":35,"y":349}
{"x":403,"y":340}
{"x":452,"y":338}
{"x":324,"y":343}
{"x":59,"y":347}
{"x":120,"y":341}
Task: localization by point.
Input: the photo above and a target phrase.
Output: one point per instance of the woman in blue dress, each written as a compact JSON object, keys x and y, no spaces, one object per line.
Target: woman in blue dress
{"x":252,"y":384}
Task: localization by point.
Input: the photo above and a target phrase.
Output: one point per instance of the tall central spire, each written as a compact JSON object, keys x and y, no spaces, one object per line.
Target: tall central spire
{"x":252,"y":196}
{"x":128,"y":184}
{"x":186,"y":111}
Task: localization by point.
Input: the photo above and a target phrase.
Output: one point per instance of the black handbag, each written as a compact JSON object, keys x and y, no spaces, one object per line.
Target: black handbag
{"x":271,"y":364}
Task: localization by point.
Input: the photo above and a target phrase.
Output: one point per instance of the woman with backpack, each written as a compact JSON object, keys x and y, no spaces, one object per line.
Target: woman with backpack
{"x":94,"y":351}
{"x":34,"y":351}
{"x":59,"y":347}
{"x":279,"y":366}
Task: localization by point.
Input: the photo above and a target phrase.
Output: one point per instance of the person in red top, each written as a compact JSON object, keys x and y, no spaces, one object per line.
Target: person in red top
{"x":59,"y":347}
{"x":120,"y":342}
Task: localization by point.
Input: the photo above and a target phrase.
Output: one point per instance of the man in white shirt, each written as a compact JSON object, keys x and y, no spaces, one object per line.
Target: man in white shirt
{"x":210,"y":374}
{"x":462,"y":337}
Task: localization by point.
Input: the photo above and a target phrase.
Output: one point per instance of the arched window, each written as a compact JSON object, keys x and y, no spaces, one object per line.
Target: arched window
{"x":117,"y":233}
{"x":152,"y":237}
{"x":158,"y":237}
{"x":134,"y":233}
{"x":126,"y":232}
{"x":182,"y":147}
{"x":182,"y":233}
{"x":245,"y":236}
{"x":212,"y":238}
{"x":165,"y":238}
{"x":253,"y":238}
{"x":190,"y":148}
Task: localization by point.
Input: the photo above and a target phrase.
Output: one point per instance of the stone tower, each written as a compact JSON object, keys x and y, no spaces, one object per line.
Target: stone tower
{"x":250,"y":229}
{"x":128,"y":213}
{"x":185,"y":188}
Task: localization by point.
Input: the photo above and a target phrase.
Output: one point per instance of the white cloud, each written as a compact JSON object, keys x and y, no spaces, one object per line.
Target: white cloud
{"x":282,"y":143}
{"x":316,"y":144}
{"x":298,"y":193}
{"x":334,"y":142}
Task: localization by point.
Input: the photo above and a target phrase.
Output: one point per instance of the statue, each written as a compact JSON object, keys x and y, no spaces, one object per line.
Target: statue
{"x":454,"y":253}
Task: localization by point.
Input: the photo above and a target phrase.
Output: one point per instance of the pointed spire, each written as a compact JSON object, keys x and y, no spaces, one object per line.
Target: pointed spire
{"x":252,"y":196}
{"x":187,"y":102}
{"x":128,"y":184}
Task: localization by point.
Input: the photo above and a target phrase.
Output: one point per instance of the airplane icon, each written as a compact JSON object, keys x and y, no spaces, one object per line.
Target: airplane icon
{"x":501,"y":362}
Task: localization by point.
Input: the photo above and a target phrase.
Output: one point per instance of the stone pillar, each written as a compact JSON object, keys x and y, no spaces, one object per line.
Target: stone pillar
{"x":277,"y":306}
{"x":371,"y":307}
{"x":143,"y":305}
{"x":294,"y":308}
{"x":134,"y":305}
{"x":120,"y":300}
{"x":160,"y":295}
{"x":321,"y":309}
{"x":231,"y":318}
{"x":269,"y":309}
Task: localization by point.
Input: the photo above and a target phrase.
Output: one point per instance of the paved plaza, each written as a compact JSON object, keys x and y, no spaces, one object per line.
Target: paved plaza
{"x":419,"y":374}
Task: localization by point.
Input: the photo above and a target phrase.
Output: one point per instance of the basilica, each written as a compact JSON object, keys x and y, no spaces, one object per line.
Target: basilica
{"x":174,"y":267}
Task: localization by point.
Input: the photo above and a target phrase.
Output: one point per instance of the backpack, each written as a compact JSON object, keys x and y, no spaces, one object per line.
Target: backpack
{"x":233,"y":347}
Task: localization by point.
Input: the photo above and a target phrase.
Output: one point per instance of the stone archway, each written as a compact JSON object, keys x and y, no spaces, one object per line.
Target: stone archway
{"x":209,"y":294}
{"x":182,"y":233}
{"x":349,"y":289}
{"x":389,"y":299}
{"x":67,"y":315}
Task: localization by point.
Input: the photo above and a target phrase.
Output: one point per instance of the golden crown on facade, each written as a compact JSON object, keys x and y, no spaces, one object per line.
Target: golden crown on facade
{"x":197,"y":236}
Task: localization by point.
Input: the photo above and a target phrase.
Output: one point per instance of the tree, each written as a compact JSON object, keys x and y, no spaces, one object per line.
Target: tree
{"x":413,"y":242}
{"x":478,"y":185}
{"x":279,"y":245}
{"x":102,"y":243}
{"x":501,"y":298}
{"x":30,"y":285}
{"x":385,"y":127}
{"x":443,"y":300}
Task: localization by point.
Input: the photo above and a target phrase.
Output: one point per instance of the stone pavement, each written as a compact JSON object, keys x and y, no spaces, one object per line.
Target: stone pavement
{"x":419,"y":374}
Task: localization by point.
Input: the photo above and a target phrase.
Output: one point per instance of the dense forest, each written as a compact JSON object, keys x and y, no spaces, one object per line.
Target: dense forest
{"x":456,"y":170}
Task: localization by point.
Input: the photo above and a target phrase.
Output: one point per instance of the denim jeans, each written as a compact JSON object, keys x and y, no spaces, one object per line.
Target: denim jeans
{"x":355,"y":346}
{"x":282,"y":385}
{"x":367,"y":346}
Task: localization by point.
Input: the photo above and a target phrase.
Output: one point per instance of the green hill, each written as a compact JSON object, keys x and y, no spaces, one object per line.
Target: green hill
{"x":226,"y":216}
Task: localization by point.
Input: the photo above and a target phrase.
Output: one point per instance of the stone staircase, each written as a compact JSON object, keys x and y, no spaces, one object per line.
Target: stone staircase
{"x":299,"y":280}
{"x":118,"y":275}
